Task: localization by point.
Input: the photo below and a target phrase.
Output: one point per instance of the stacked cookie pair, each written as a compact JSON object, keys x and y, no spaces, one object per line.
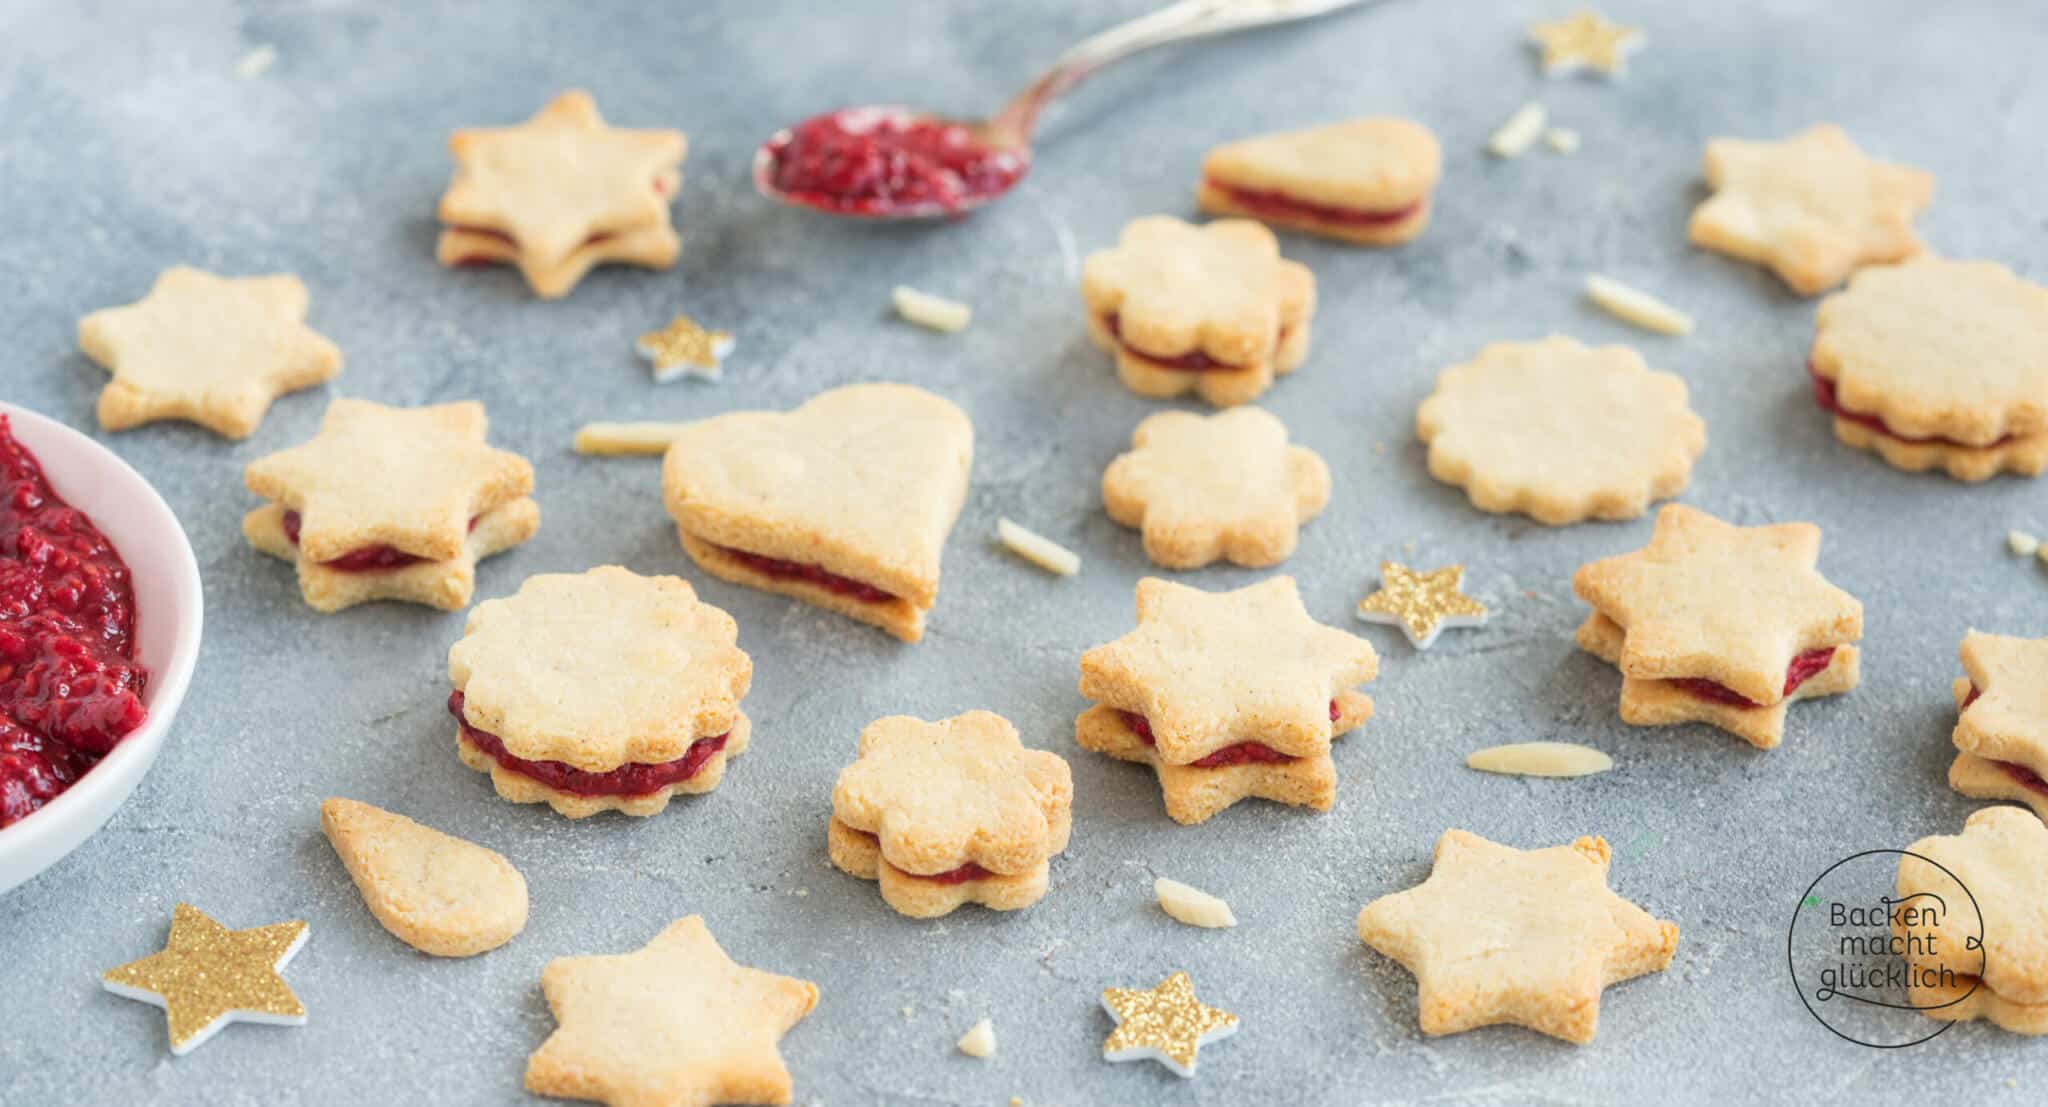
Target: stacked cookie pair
{"x":1720,"y":624}
{"x":1989,"y":963}
{"x":2001,"y":732}
{"x":561,"y":194}
{"x":1227,"y":696}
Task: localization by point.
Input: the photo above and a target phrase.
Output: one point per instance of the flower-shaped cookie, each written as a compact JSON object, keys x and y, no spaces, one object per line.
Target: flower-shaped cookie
{"x":1528,"y":937}
{"x":602,"y":690}
{"x":1366,"y":181}
{"x":1999,"y":857}
{"x":1560,"y":432}
{"x":844,"y":503}
{"x":1212,"y":309}
{"x":1812,"y":207}
{"x":1938,"y":363}
{"x":2001,"y":731}
{"x":1221,"y":486}
{"x":951,"y":812}
{"x":212,"y":350}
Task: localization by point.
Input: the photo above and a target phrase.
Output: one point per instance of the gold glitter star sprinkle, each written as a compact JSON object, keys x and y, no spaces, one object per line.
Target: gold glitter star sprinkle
{"x":685,"y":347}
{"x":1421,"y":603}
{"x":1586,"y":40}
{"x":1166,"y":1024}
{"x":208,"y":976}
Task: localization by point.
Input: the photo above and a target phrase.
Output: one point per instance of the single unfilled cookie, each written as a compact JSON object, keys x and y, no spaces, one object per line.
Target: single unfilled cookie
{"x":1937,"y":363}
{"x":603,"y":690}
{"x":1999,"y":857}
{"x":435,"y":892}
{"x":1528,"y":937}
{"x":1366,"y":181}
{"x":1812,"y":207}
{"x":1213,"y":310}
{"x":1223,"y":486}
{"x":844,"y":503}
{"x":951,"y":812}
{"x":1560,"y":432}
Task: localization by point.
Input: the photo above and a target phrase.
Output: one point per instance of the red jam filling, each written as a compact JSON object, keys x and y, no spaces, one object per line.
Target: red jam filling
{"x":631,"y":779}
{"x":1824,"y":395}
{"x":369,"y":559}
{"x":809,"y":574}
{"x":1280,"y":205}
{"x":1803,"y":668}
{"x":70,"y":688}
{"x":1194,"y":361}
{"x":961,"y":875}
{"x":1243,"y":753}
{"x":2025,"y":777}
{"x":885,"y":161}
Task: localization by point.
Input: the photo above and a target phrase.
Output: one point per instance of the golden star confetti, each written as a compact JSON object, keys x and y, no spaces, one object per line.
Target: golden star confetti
{"x":1587,"y":40}
{"x":1422,"y":604}
{"x":208,"y":976}
{"x":684,"y":347}
{"x":1166,"y":1024}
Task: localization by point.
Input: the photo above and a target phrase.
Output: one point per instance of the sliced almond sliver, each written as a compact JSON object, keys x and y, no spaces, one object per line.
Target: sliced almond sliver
{"x":1038,"y":549}
{"x":1540,"y":759}
{"x":1633,"y":305}
{"x":1191,"y":905}
{"x":1520,"y":131}
{"x":626,"y":438}
{"x":927,"y":310}
{"x":980,"y":1040}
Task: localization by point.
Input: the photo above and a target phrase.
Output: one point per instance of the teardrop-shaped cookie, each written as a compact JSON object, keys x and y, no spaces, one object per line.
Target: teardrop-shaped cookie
{"x":435,"y":892}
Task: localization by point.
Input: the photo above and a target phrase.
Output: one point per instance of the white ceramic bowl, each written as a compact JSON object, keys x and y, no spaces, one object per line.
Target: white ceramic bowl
{"x":168,"y":614}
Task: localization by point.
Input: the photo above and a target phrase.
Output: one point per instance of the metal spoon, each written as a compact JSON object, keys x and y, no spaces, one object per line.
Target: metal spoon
{"x":904,"y":163}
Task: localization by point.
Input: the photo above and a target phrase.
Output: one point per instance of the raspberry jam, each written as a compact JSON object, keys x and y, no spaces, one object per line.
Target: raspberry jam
{"x":1803,"y":668}
{"x":887,"y":161}
{"x":70,"y":688}
{"x":961,"y":875}
{"x":1243,"y":753}
{"x":2023,"y":776}
{"x":809,"y":574}
{"x":369,"y":559}
{"x":1824,"y":395}
{"x":1194,"y":361}
{"x":1281,"y":206}
{"x":631,"y":779}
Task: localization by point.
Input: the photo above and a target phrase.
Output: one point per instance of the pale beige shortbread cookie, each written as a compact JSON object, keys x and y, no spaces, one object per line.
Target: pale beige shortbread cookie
{"x":448,"y":585}
{"x":1585,"y":40}
{"x":1647,"y":702}
{"x":1221,"y":486}
{"x":513,"y":786}
{"x":1194,"y":793}
{"x":1710,"y":600}
{"x":435,"y":892}
{"x":1812,"y":207}
{"x":1212,"y":309}
{"x":675,"y":1023}
{"x":2002,"y":858}
{"x":562,"y":192}
{"x":1366,"y":181}
{"x":1938,"y":363}
{"x":844,"y":503}
{"x":1560,"y":432}
{"x":408,"y":478}
{"x":2002,"y":700}
{"x":212,"y":350}
{"x":1968,"y":999}
{"x":961,"y":800}
{"x":1212,"y":669}
{"x":599,"y":669}
{"x":1528,"y":937}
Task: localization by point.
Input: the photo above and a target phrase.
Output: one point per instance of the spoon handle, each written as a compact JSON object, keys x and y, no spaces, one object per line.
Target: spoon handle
{"x":1176,"y":22}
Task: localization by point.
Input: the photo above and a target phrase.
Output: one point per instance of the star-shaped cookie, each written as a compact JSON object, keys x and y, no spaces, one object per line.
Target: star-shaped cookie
{"x":1585,"y":40}
{"x":2001,"y":732}
{"x":1560,"y":432}
{"x":1812,"y":207}
{"x":1211,"y":309}
{"x":1999,"y":857}
{"x":675,"y":1023}
{"x":1732,"y":605}
{"x":961,"y":800}
{"x":1212,"y":669}
{"x":560,"y":193}
{"x":1528,"y":937}
{"x":1163,"y":1023}
{"x":208,"y":976}
{"x":212,"y":350}
{"x":1422,"y":603}
{"x":1222,"y":486}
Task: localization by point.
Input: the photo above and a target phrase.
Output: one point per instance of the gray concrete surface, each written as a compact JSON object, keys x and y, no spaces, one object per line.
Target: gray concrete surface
{"x":131,"y":144}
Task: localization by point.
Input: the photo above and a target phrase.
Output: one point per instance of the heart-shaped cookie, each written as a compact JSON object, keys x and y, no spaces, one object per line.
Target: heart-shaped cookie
{"x":844,"y":503}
